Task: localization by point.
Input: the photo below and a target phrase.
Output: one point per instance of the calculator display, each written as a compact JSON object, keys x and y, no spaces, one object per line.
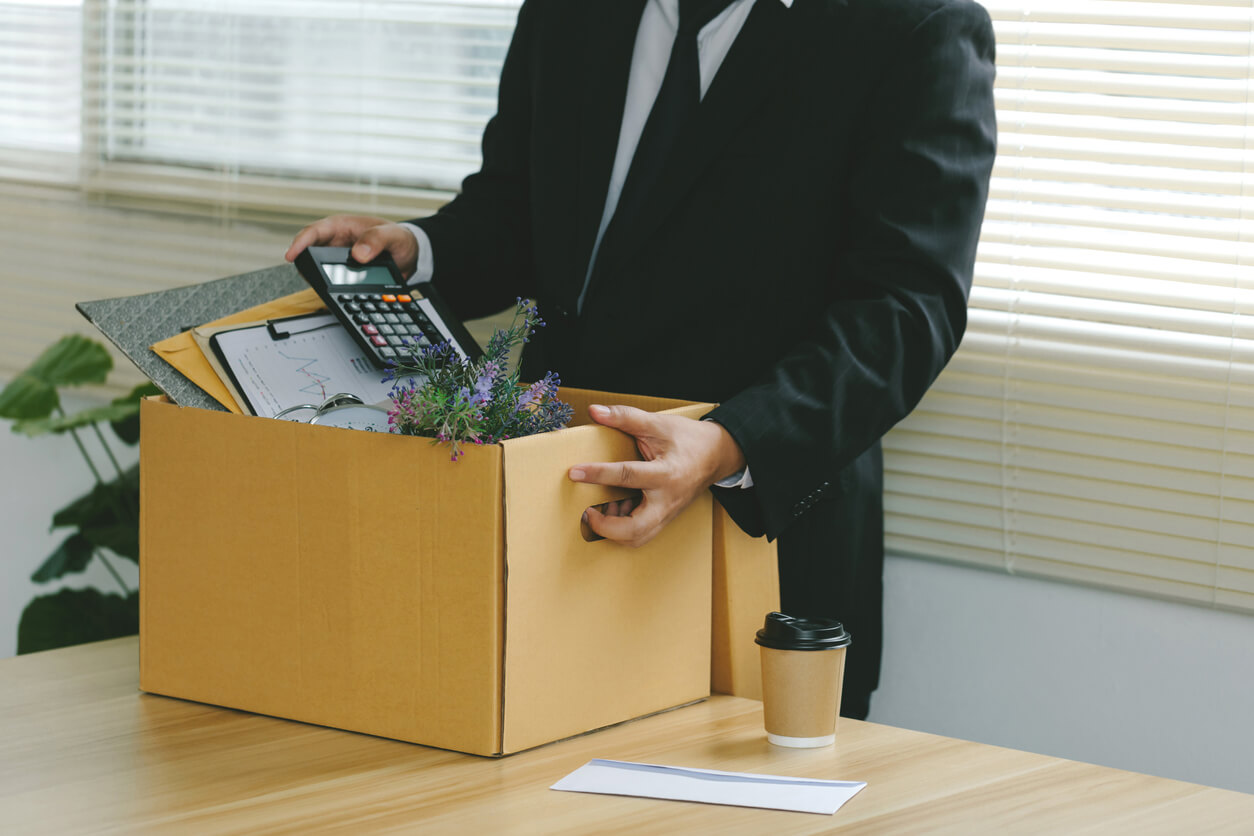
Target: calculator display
{"x":339,"y":274}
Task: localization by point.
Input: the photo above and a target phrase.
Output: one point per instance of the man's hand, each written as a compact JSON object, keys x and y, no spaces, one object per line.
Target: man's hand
{"x":682,"y":458}
{"x":367,"y":236}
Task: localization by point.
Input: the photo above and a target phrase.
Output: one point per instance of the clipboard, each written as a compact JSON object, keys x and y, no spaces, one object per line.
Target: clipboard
{"x":151,"y":328}
{"x":194,"y":358}
{"x":274,"y":365}
{"x":279,"y":328}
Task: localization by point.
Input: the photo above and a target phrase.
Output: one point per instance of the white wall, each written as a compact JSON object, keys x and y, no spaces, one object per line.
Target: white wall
{"x":37,"y":477}
{"x":1079,"y":673}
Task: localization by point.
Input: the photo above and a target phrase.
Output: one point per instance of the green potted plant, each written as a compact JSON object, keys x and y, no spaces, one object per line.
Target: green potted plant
{"x":102,"y":524}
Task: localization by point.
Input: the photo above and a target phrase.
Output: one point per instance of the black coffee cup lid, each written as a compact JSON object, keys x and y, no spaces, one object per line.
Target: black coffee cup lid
{"x":783,"y":632}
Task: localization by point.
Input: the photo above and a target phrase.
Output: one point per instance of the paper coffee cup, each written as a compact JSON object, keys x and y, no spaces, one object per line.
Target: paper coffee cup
{"x":803,"y":670}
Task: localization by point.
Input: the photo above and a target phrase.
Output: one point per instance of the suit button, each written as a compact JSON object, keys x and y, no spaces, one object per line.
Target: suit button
{"x":561,"y":311}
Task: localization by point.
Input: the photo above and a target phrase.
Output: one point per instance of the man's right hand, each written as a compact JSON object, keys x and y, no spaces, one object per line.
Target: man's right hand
{"x":368,"y":236}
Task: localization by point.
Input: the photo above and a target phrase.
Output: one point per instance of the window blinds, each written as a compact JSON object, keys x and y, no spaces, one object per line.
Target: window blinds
{"x":58,"y":250}
{"x":190,"y":140}
{"x":253,"y":107}
{"x":40,"y":77}
{"x":1097,"y":424}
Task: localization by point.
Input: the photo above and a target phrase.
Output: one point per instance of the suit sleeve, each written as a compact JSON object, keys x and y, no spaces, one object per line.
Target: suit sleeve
{"x":916,"y":202}
{"x":483,"y":236}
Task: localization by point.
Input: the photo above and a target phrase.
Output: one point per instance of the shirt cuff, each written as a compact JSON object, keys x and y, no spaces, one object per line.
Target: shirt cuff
{"x":736,"y":480}
{"x":426,"y":258}
{"x":739,"y":479}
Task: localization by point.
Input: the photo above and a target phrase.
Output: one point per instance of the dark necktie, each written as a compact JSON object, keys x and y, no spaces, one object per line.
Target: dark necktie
{"x":673,"y":110}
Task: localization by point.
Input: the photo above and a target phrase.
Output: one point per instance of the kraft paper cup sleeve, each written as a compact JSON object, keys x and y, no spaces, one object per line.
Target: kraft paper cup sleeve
{"x":803,"y":665}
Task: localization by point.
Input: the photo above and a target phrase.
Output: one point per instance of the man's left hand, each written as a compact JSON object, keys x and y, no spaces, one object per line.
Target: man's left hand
{"x":682,"y":458}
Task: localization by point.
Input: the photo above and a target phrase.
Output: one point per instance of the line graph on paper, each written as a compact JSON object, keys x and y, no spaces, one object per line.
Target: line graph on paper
{"x":316,"y":387}
{"x":306,"y":368}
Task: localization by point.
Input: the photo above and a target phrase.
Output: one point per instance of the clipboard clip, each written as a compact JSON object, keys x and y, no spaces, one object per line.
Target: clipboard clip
{"x":284,"y":327}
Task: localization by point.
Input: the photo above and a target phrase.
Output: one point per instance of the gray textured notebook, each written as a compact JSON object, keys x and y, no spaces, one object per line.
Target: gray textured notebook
{"x":133,"y":323}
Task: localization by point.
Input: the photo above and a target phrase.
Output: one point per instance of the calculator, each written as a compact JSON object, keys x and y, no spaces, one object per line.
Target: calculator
{"x":389,"y":319}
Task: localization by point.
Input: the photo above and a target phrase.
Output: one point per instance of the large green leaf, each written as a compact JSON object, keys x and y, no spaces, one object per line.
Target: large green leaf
{"x":72,"y":361}
{"x":71,"y":556}
{"x":28,"y":397}
{"x":122,"y":539}
{"x":101,"y":503}
{"x":107,"y":515}
{"x":76,"y":616}
{"x":127,"y":429}
{"x":88,"y":508}
{"x":62,"y":423}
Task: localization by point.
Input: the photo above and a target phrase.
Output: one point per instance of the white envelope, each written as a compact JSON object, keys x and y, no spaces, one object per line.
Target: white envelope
{"x":710,"y":786}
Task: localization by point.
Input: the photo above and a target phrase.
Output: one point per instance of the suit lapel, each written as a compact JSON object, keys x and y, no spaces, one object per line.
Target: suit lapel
{"x":748,"y":73}
{"x":607,"y":39}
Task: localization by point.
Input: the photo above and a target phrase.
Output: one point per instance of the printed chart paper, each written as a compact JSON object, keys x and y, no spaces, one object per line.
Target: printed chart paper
{"x":306,"y":368}
{"x":710,"y":786}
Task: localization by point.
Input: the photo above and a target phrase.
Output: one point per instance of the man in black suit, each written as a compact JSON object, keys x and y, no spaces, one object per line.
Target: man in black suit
{"x":798,"y":248}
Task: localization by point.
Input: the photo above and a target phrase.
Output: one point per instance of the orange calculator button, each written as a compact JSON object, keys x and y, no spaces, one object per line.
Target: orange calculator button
{"x":387,"y":297}
{"x":403,"y":298}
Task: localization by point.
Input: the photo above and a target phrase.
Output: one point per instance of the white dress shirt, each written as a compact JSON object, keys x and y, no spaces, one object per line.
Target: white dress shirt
{"x":654,"y":39}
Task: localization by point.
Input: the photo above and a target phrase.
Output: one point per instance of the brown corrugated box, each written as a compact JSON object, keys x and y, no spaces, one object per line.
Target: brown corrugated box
{"x":364,"y":581}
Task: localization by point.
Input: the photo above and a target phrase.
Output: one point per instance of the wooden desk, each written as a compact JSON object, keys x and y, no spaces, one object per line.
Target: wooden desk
{"x":82,"y":751}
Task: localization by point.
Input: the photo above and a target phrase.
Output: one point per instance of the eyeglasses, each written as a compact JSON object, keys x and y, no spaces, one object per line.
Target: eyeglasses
{"x":309,"y":413}
{"x":342,"y":410}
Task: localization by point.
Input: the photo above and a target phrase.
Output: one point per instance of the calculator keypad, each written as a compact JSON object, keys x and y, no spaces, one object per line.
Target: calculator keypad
{"x":394,"y":324}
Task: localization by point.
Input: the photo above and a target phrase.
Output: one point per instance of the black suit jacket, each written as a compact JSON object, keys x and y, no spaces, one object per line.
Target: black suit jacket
{"x":805,"y":261}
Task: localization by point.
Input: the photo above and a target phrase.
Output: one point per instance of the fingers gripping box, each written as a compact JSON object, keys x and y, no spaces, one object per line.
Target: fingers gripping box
{"x":366,"y":582}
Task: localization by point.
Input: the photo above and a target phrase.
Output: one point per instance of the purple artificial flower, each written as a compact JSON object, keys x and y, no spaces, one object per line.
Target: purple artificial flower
{"x":534,"y":392}
{"x":485,"y":382}
{"x":479,"y":402}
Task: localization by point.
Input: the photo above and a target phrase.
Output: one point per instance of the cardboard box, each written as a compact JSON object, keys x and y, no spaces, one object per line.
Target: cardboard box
{"x":746,"y":588}
{"x":364,"y":581}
